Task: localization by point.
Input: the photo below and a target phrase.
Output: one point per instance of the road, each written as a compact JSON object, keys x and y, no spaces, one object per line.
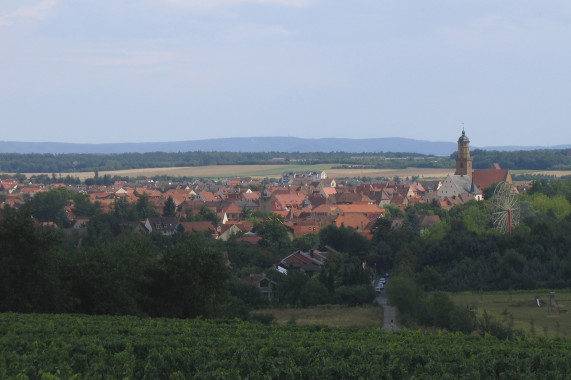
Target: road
{"x":389,"y":312}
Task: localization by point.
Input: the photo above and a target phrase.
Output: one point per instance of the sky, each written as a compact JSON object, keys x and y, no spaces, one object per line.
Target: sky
{"x":101,"y":71}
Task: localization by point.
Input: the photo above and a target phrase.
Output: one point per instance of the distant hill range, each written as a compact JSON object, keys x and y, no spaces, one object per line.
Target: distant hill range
{"x":258,"y":144}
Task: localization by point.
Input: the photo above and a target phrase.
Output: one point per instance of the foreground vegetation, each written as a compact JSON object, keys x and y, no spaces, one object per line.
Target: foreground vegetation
{"x":64,"y":346}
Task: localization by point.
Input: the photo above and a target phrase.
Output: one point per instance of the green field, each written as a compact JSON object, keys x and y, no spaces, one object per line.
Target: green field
{"x":273,"y":172}
{"x":34,"y":346}
{"x":522,"y":306}
{"x":330,"y":316}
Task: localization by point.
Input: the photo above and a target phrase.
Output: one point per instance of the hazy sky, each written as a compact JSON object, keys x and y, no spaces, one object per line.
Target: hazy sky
{"x":165,"y":70}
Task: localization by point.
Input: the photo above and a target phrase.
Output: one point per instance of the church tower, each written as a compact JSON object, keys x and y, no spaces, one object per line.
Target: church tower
{"x":463,"y":161}
{"x":265,"y":201}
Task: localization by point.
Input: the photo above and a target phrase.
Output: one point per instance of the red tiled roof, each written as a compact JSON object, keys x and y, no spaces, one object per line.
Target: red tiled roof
{"x":484,"y":178}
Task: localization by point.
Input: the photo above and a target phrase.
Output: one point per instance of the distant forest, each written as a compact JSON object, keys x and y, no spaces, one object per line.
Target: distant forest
{"x":546,"y":159}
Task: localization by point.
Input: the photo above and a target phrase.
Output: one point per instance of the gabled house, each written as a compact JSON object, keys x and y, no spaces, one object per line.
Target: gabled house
{"x":288,"y":201}
{"x":199,"y":226}
{"x":455,"y":185}
{"x":81,"y":222}
{"x":303,"y":227}
{"x":9,"y":185}
{"x":267,"y":286}
{"x":427,"y":221}
{"x":328,"y":192}
{"x":229,"y":230}
{"x":206,"y":196}
{"x":164,"y":225}
{"x":357,"y":222}
{"x":307,"y":262}
{"x":250,"y":237}
{"x":484,"y":178}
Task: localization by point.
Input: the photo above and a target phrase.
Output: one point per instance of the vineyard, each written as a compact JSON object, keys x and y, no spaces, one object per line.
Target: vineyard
{"x":101,"y":347}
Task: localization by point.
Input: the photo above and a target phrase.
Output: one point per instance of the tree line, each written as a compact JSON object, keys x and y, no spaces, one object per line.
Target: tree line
{"x":545,"y":159}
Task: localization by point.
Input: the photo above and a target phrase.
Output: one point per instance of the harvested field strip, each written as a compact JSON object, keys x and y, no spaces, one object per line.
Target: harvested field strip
{"x":263,"y":171}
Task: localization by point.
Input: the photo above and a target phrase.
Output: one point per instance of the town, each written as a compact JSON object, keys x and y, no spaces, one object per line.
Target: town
{"x":307,"y":201}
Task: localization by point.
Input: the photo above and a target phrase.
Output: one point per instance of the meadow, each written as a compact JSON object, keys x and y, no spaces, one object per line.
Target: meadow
{"x":329,"y":315}
{"x":521,"y":308}
{"x":518,"y":308}
{"x":264,"y":171}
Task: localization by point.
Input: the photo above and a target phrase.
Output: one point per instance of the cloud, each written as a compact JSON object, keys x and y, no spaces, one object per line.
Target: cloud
{"x":35,"y":12}
{"x":211,"y":4}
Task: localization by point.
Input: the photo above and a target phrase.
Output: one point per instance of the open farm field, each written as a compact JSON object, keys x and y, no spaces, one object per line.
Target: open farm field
{"x":556,"y":173}
{"x":263,"y":171}
{"x":34,"y":346}
{"x":330,"y":315}
{"x":423,"y":173}
{"x":523,"y":307}
{"x":275,"y":171}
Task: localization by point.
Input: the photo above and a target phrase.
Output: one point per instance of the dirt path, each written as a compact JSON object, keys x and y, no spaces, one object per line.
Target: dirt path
{"x":389,"y":313}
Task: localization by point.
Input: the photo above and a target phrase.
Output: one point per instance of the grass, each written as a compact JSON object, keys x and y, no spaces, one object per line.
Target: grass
{"x":277,"y":172}
{"x":556,"y":173}
{"x":330,"y":315}
{"x":522,"y":308}
{"x":263,"y":171}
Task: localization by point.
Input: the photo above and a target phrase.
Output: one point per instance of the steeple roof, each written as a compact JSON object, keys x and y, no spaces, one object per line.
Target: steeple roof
{"x":463,"y":138}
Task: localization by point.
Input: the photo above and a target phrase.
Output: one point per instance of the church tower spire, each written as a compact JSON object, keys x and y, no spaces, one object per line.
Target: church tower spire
{"x":463,"y":161}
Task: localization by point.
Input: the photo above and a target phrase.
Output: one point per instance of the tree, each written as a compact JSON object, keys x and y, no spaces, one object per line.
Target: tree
{"x":204,"y":213}
{"x":124,"y":211}
{"x":402,"y":292}
{"x":110,"y":277}
{"x":291,"y":287}
{"x":439,"y":308}
{"x":145,"y":209}
{"x":49,"y":206}
{"x":29,"y":265}
{"x":305,"y":242}
{"x":189,"y":280}
{"x":345,"y":240}
{"x":274,"y":232}
{"x":169,"y":208}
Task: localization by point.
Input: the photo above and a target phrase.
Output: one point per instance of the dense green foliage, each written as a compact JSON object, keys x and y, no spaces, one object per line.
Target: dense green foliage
{"x":465,"y":252}
{"x":41,"y":271}
{"x":64,"y":346}
{"x":111,"y":268}
{"x":69,"y":163}
{"x":540,"y":159}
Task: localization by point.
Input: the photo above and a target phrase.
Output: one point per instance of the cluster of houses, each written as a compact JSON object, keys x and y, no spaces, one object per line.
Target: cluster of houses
{"x":307,"y":201}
